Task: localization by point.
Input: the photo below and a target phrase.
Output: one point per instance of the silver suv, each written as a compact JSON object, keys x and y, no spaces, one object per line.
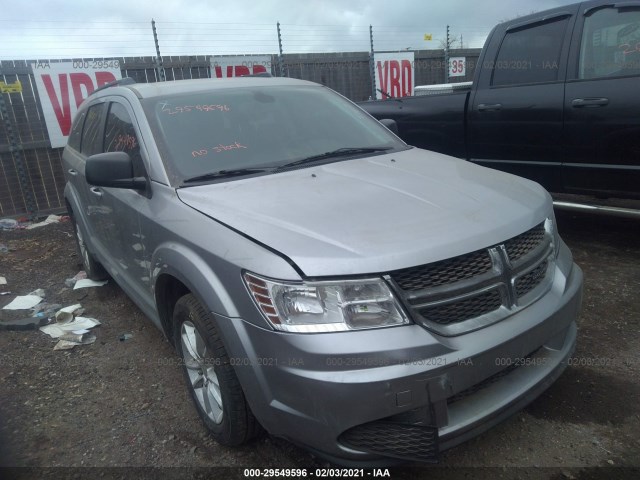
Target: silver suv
{"x":319,"y":277}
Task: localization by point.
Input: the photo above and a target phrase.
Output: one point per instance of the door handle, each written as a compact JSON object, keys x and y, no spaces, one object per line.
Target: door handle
{"x":589,"y":102}
{"x":485,"y":107}
{"x":72,"y":172}
{"x":96,"y":191}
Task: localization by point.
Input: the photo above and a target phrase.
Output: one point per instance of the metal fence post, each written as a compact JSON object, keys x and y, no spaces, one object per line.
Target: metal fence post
{"x":446,"y":58}
{"x":159,"y":65}
{"x":15,"y":148}
{"x":280,"y":57}
{"x":372,"y":65}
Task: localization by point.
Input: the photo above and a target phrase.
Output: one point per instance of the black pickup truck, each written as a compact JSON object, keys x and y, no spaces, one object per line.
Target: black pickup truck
{"x":555,"y":98}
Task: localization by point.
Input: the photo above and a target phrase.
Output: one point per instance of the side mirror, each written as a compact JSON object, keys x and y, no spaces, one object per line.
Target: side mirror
{"x":390,"y":124}
{"x":113,"y":169}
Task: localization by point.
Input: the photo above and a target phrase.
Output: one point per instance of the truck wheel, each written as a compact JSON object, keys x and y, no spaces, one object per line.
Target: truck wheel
{"x":211,"y":380}
{"x":93,"y":268}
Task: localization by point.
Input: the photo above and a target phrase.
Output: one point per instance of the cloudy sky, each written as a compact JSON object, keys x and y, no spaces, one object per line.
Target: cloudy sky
{"x":42,"y":29}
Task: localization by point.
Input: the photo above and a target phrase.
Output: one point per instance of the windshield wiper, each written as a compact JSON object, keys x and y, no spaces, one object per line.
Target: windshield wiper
{"x":226,"y":173}
{"x":340,"y":152}
{"x":246,"y":171}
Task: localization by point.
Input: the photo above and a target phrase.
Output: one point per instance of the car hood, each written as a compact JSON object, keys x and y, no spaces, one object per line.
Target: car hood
{"x":375,"y":214}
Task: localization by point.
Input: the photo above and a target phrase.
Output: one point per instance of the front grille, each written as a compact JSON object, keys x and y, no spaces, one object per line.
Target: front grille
{"x":465,"y":309}
{"x":444,"y":272}
{"x":518,"y":247}
{"x":397,"y":440}
{"x":484,"y":280}
{"x":531,"y":280}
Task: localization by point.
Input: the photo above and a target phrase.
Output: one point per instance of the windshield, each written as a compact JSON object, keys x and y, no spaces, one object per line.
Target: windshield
{"x":245,"y":129}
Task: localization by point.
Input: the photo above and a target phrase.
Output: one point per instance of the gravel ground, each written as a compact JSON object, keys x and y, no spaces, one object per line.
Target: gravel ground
{"x":117,"y":404}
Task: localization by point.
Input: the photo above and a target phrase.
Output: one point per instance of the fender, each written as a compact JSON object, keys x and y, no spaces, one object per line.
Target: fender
{"x":73,"y":203}
{"x":196,"y":274}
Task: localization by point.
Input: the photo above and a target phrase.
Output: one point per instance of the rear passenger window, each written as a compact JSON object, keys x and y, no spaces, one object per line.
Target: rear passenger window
{"x":120,"y":136}
{"x":92,"y":133}
{"x":610,"y":43}
{"x":530,"y":54}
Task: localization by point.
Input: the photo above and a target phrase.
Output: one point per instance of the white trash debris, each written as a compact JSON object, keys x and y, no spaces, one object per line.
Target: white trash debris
{"x":23,"y":302}
{"x":56,"y":330}
{"x":8,"y":224}
{"x":70,"y":282}
{"x":50,"y":219}
{"x":87,"y":282}
{"x":70,"y":340}
{"x":70,"y":330}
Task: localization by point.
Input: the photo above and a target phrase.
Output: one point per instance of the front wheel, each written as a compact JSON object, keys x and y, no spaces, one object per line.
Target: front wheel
{"x":93,"y":268}
{"x":211,"y":380}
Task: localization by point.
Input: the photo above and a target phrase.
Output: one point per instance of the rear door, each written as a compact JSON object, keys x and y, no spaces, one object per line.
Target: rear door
{"x":90,"y":144}
{"x":515,"y":114}
{"x":73,"y":161}
{"x":602,"y":104}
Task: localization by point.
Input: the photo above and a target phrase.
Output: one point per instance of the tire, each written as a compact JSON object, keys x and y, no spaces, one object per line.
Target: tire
{"x":93,"y":268}
{"x":211,"y":379}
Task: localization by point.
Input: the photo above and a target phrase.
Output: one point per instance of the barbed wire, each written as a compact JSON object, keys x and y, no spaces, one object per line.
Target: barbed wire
{"x":54,"y":39}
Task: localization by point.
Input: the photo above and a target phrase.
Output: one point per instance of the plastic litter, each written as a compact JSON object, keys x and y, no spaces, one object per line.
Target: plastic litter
{"x":4,"y":248}
{"x":70,"y":282}
{"x":45,"y":310}
{"x":87,"y":282}
{"x":70,"y":340}
{"x":126,"y":336}
{"x":8,"y":224}
{"x":67,"y":314}
{"x":3,"y":281}
{"x":70,"y":329}
{"x":76,"y":309}
{"x":56,"y":330}
{"x":50,"y":219}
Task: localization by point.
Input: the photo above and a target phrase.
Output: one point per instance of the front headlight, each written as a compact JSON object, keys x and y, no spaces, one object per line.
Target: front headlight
{"x":315,"y":307}
{"x":551,"y":227}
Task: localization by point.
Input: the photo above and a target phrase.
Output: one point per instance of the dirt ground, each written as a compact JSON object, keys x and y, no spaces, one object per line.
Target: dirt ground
{"x":125,"y":404}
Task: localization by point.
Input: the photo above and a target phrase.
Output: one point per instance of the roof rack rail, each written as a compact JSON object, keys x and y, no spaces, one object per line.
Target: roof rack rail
{"x":122,"y":81}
